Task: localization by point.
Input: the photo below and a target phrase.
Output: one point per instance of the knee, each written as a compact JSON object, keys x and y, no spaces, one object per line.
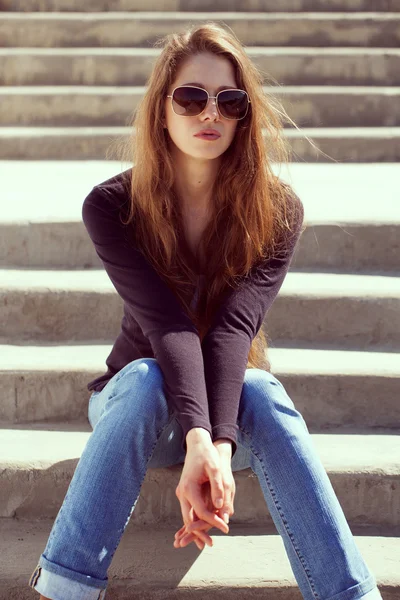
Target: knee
{"x":143,"y":370}
{"x":264,"y":402}
{"x":139,"y":386}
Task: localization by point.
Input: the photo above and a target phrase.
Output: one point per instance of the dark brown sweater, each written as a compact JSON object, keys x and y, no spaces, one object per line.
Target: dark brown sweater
{"x":202,"y":381}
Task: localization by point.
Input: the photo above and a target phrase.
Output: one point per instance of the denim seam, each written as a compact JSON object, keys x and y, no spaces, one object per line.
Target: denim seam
{"x":141,"y":483}
{"x":280,"y":512}
{"x":111,"y":395}
{"x":35,"y":576}
{"x":52,"y":533}
{"x":38,"y":571}
{"x":159,"y":431}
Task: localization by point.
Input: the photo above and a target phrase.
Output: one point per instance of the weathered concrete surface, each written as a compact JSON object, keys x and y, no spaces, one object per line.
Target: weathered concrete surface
{"x":349,"y":399}
{"x":200,"y":5}
{"x":331,"y":388}
{"x":364,"y":144}
{"x":249,"y":562}
{"x":336,"y":247}
{"x":132,"y":66}
{"x":95,"y":106}
{"x":123,"y":29}
{"x":61,"y":307}
{"x":331,"y":193}
{"x":36,"y":467}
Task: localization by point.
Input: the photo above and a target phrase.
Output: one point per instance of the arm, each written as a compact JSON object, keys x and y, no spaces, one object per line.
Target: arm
{"x":173,"y":336}
{"x":227,"y":343}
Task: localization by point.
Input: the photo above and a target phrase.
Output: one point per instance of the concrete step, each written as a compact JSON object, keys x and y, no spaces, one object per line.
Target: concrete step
{"x":146,"y":563}
{"x":36,"y":467}
{"x":200,"y":5}
{"x":357,"y":144}
{"x":331,"y":388}
{"x":348,"y":232}
{"x":350,"y":192}
{"x":132,"y":66}
{"x":308,"y":106}
{"x":128,"y":29}
{"x":352,"y":311}
{"x":345,"y":247}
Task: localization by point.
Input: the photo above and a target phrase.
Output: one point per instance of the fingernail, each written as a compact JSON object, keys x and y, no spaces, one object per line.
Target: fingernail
{"x":226,"y":517}
{"x":219,"y":502}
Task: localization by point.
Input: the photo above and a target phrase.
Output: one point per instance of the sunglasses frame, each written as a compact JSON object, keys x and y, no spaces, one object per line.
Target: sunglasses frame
{"x":212,"y":98}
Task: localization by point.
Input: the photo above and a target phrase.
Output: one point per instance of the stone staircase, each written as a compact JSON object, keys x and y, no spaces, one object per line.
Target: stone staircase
{"x":69,"y":81}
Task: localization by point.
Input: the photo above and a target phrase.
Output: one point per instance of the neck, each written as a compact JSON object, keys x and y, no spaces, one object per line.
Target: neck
{"x":194,"y":181}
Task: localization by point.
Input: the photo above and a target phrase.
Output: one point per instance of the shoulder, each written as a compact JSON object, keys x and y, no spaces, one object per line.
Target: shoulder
{"x":111,"y":196}
{"x":293,"y":213}
{"x":117,"y":184}
{"x":292,"y":199}
{"x":288,"y":220}
{"x":105,"y":208}
{"x":114,"y":191}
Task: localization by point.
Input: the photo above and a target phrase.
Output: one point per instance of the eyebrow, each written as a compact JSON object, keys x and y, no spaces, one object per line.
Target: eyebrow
{"x":222,"y":87}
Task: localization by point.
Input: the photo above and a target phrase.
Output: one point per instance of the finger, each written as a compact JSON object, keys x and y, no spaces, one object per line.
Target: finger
{"x":227,"y":508}
{"x":206,"y":495}
{"x":181,"y":531}
{"x":192,"y":517}
{"x":203,"y":524}
{"x":185,"y":509}
{"x":202,"y":535}
{"x":179,"y":537}
{"x":199,"y":525}
{"x":193,"y":494}
{"x":217,"y":489}
{"x":225,"y":512}
{"x":213,"y":519}
{"x":185,"y":531}
{"x":192,"y":514}
{"x":188,"y":538}
{"x":177,"y":543}
{"x":195,"y":523}
{"x":199,"y":544}
{"x":198,"y":502}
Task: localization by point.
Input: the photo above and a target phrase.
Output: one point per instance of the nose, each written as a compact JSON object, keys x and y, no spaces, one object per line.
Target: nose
{"x":211,"y":108}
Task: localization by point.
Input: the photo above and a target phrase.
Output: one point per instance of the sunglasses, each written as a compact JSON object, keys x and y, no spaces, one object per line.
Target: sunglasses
{"x":189,"y":101}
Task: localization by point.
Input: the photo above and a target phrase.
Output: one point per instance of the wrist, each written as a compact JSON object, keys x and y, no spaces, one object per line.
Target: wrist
{"x":198,"y":435}
{"x":224,"y":446}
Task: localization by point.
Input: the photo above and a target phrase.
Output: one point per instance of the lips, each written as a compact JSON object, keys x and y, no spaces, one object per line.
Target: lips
{"x":206,"y":132}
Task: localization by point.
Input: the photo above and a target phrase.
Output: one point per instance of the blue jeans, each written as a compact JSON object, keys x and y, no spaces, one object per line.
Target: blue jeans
{"x":133,"y":430}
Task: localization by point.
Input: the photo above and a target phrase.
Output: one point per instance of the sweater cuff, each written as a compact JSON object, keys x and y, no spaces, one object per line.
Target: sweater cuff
{"x":227,"y":431}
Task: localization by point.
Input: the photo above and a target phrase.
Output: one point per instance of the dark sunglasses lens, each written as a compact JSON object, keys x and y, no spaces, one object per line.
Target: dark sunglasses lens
{"x":189,"y":101}
{"x":233,"y":104}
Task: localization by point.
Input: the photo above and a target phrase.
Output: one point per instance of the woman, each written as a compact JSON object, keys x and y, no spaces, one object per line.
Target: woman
{"x":197,"y":239}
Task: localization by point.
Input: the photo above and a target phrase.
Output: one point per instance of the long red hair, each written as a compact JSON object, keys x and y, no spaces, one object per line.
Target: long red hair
{"x":253,"y":210}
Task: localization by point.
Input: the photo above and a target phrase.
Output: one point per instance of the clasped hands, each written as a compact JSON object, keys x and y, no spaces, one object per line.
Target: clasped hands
{"x":206,"y":477}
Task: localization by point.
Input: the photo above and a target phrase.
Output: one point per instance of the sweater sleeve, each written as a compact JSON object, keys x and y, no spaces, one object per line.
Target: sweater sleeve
{"x":237,"y":321}
{"x":173,"y":337}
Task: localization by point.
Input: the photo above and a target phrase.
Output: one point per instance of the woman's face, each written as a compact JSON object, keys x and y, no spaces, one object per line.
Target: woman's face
{"x":210,"y":72}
